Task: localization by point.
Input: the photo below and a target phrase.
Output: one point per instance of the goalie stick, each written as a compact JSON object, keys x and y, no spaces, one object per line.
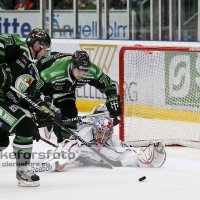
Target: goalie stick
{"x":109,"y":161}
{"x":103,"y":165}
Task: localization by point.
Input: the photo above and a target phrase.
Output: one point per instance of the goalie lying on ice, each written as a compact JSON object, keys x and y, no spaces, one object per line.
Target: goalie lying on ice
{"x":101,"y":136}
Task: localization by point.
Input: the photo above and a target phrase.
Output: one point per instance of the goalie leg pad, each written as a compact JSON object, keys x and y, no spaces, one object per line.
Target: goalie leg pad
{"x":60,"y":155}
{"x":56,"y":154}
{"x":154,"y":155}
{"x":60,"y":167}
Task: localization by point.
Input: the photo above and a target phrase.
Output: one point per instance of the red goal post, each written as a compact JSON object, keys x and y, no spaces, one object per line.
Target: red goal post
{"x":160,"y":88}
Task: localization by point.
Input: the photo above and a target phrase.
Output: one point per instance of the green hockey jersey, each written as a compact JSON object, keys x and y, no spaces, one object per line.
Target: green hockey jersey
{"x":58,"y":81}
{"x":15,"y":52}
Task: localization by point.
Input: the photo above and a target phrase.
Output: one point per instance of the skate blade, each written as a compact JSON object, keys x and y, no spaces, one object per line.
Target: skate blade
{"x":22,"y":183}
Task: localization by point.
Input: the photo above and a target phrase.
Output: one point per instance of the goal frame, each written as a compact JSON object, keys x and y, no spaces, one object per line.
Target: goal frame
{"x":148,"y":50}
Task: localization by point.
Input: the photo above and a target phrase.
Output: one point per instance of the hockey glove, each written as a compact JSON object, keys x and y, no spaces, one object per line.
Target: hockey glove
{"x":5,"y":77}
{"x":113,"y":105}
{"x":44,"y":118}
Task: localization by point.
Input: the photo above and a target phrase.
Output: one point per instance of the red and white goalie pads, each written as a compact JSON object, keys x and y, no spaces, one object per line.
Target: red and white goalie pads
{"x":60,"y":157}
{"x":154,"y":155}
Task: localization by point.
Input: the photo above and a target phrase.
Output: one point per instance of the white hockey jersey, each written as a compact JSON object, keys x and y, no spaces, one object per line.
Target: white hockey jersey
{"x":113,"y":149}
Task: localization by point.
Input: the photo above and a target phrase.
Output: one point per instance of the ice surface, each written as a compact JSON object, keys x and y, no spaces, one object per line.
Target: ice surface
{"x":178,"y":179}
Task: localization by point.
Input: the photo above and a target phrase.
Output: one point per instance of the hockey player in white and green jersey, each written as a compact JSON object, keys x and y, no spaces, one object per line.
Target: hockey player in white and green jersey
{"x":63,"y":73}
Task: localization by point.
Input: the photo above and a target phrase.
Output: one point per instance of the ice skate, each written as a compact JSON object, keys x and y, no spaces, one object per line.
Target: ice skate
{"x":26,"y":178}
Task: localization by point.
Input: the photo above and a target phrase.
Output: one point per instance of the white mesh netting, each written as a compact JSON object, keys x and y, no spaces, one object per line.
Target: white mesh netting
{"x":161,"y":97}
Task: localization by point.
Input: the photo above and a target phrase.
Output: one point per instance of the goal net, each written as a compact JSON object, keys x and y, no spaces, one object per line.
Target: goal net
{"x":160,"y":87}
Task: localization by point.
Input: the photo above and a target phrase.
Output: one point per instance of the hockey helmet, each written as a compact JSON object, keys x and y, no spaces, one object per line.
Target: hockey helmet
{"x":38,"y":35}
{"x":80,"y":60}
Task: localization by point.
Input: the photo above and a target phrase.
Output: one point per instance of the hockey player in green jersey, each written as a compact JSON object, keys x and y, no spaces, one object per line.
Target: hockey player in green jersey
{"x":17,"y":70}
{"x":63,"y":73}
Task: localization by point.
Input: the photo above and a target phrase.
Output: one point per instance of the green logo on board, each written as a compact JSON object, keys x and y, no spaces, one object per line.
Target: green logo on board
{"x":182,"y":79}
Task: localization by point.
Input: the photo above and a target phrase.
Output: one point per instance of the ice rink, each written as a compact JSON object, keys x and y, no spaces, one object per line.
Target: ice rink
{"x":178,"y":179}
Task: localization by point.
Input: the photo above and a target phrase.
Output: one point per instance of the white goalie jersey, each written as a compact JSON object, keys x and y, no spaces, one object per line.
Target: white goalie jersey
{"x":99,"y":134}
{"x":113,"y":148}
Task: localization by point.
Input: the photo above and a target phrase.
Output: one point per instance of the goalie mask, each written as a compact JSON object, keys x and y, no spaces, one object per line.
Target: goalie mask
{"x":80,"y":60}
{"x":103,"y":129}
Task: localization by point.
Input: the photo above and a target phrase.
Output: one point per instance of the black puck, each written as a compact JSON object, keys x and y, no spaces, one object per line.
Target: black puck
{"x":142,"y":178}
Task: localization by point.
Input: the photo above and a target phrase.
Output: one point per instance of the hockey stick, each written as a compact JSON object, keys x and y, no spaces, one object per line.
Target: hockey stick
{"x":103,"y":165}
{"x":48,"y":142}
{"x":48,"y":133}
{"x":111,"y":162}
{"x":87,"y":119}
{"x":33,"y":104}
{"x":90,"y":116}
{"x":27,"y":99}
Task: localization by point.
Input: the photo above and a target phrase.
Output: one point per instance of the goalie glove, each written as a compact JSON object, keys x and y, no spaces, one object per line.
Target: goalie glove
{"x":5,"y":77}
{"x":154,"y":155}
{"x":113,"y":105}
